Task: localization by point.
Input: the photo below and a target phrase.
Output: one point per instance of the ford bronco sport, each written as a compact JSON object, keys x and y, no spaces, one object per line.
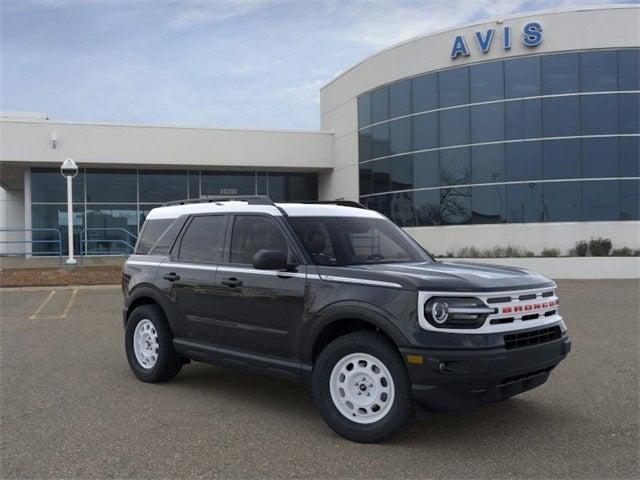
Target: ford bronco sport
{"x":335,"y":295}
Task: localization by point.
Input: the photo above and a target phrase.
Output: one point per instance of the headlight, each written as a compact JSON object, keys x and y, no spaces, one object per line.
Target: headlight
{"x":452,"y":312}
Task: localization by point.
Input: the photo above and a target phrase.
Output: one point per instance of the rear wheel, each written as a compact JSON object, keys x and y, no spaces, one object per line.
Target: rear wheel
{"x":149,"y":345}
{"x":361,"y":387}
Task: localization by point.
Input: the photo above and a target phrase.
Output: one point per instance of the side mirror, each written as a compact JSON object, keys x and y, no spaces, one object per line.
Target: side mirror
{"x":270,"y":260}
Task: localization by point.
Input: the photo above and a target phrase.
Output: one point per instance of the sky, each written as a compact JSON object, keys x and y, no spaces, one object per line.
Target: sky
{"x":218,"y":63}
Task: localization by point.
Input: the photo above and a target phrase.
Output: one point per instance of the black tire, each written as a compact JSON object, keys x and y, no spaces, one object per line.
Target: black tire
{"x":168,"y":364}
{"x":381,"y":348}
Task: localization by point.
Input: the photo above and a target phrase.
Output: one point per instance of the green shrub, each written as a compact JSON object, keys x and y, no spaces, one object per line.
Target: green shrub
{"x":550,"y":252}
{"x":625,"y":252}
{"x":600,"y":247}
{"x":581,"y":248}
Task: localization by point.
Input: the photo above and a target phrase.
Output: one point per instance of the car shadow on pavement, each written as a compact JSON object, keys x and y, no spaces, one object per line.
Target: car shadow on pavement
{"x":519,"y":416}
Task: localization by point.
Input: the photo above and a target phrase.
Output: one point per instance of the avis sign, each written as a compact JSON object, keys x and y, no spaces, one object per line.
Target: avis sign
{"x":531,"y":37}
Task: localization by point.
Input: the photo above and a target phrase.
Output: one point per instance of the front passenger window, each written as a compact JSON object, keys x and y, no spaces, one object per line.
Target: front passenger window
{"x":252,"y":233}
{"x":204,"y":239}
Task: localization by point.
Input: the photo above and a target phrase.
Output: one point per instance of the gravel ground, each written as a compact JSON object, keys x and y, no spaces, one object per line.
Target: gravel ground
{"x":71,"y":408}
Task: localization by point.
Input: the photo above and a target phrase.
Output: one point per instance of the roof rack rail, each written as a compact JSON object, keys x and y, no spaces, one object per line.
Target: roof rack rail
{"x":342,"y":203}
{"x":250,"y":199}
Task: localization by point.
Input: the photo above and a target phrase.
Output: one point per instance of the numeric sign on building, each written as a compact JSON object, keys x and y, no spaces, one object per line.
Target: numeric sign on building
{"x":531,"y":36}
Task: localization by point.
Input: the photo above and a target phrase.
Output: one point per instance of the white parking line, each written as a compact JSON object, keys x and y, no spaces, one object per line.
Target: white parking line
{"x":69,"y":304}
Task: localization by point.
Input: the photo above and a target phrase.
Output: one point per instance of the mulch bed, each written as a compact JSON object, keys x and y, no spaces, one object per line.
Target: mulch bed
{"x":56,"y":276}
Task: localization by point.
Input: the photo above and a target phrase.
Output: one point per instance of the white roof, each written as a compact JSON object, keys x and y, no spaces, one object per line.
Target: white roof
{"x":292,"y":209}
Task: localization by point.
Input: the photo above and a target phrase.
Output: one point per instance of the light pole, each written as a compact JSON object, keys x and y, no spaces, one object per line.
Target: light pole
{"x":69,"y":169}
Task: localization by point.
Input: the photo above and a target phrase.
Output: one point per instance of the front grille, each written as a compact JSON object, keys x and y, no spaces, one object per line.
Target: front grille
{"x":534,"y":337}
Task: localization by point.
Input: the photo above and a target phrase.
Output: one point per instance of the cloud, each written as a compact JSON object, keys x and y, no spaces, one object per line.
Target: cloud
{"x":200,"y":12}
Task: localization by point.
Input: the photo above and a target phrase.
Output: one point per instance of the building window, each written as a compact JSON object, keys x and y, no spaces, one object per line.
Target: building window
{"x":486,"y":81}
{"x":560,"y":73}
{"x":163,"y":185}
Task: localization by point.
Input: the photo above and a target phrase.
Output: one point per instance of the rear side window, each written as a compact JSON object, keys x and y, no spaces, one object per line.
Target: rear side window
{"x":252,"y":233}
{"x":204,"y":239}
{"x":150,"y":234}
{"x":168,"y":238}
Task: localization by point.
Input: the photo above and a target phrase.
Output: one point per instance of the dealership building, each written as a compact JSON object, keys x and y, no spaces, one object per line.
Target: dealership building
{"x":520,"y":131}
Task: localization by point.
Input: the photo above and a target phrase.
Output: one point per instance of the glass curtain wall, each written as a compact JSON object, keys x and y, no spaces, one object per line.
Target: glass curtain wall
{"x":541,"y":138}
{"x":110,"y":205}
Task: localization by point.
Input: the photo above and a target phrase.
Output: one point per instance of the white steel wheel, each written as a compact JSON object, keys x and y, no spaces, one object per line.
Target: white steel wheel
{"x":145,"y":344}
{"x":362,"y":388}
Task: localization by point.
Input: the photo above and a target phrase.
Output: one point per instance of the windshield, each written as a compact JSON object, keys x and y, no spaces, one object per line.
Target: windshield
{"x":342,"y":241}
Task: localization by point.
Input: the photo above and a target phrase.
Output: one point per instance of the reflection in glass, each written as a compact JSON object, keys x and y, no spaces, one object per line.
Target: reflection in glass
{"x":427,"y":207}
{"x":599,"y":114}
{"x":599,"y":71}
{"x":454,"y":166}
{"x":425,"y":131}
{"x":364,"y":110}
{"x":401,"y":206}
{"x":381,"y":175}
{"x":629,"y":113}
{"x":488,"y":205}
{"x":400,"y":135}
{"x":522,"y":77}
{"x":487,"y":123}
{"x":365,"y":145}
{"x":144,"y":212}
{"x":380,"y":140}
{"x":562,"y":202}
{"x":194,"y":184}
{"x":54,"y":217}
{"x":292,"y":187}
{"x":400,"y":98}
{"x":228,"y":183}
{"x":560,"y":73}
{"x":453,"y":87}
{"x":366,"y":178}
{"x":630,"y":200}
{"x":523,"y":161}
{"x":380,"y":104}
{"x":630,"y":156}
{"x":402,"y":172}
{"x":561,"y":159}
{"x":600,"y":200}
{"x":110,"y":224}
{"x":600,"y":157}
{"x":111,"y":186}
{"x":424,"y":92}
{"x":629,"y":69}
{"x":162,"y":185}
{"x":488,"y":164}
{"x":561,"y":116}
{"x":487,"y":81}
{"x":426,"y":169}
{"x":49,"y":186}
{"x":454,"y":127}
{"x":455,"y":205}
{"x":524,"y":203}
{"x":523,"y":119}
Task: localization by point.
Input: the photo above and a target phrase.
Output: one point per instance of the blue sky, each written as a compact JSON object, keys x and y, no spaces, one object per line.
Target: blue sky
{"x":226,"y":63}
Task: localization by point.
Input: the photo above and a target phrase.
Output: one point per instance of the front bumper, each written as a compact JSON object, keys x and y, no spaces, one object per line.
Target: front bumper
{"x":456,"y":379}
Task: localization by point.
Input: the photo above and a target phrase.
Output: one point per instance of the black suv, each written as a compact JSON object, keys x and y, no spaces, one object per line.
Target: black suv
{"x":338,"y":296}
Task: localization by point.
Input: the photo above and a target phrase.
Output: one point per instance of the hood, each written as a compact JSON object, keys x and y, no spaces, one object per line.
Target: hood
{"x":446,"y":276}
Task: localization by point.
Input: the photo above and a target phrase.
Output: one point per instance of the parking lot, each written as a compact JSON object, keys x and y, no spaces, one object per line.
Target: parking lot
{"x":71,"y":408}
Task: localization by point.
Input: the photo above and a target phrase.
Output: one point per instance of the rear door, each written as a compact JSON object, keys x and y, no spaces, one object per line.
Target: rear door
{"x":189,"y":275}
{"x":256,"y":310}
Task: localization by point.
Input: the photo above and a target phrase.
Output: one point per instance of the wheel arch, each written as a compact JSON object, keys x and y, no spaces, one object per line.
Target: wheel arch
{"x":144,"y":295}
{"x":343,"y":318}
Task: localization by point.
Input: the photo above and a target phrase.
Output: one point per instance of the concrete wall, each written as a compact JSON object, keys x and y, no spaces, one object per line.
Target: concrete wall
{"x":11,"y":217}
{"x":531,"y":236}
{"x":29,"y":141}
{"x":573,"y":268}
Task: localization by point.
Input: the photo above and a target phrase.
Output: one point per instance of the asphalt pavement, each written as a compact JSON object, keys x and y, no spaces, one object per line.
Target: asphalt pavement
{"x":71,"y":408}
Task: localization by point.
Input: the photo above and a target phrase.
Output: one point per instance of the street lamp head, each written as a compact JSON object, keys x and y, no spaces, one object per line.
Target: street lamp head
{"x":69,"y":168}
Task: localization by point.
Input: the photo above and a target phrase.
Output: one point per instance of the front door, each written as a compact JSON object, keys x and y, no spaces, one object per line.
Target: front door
{"x":257,"y":309}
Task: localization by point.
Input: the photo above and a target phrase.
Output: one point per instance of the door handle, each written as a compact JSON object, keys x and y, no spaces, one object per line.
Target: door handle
{"x":172,"y":277}
{"x":232,"y":282}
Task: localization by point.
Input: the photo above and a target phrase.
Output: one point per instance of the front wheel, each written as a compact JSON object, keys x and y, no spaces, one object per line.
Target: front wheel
{"x":361,"y":387}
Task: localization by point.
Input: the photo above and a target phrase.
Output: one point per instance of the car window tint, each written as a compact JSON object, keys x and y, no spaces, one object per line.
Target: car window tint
{"x":204,"y":239}
{"x":151,"y":233}
{"x":252,"y":233}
